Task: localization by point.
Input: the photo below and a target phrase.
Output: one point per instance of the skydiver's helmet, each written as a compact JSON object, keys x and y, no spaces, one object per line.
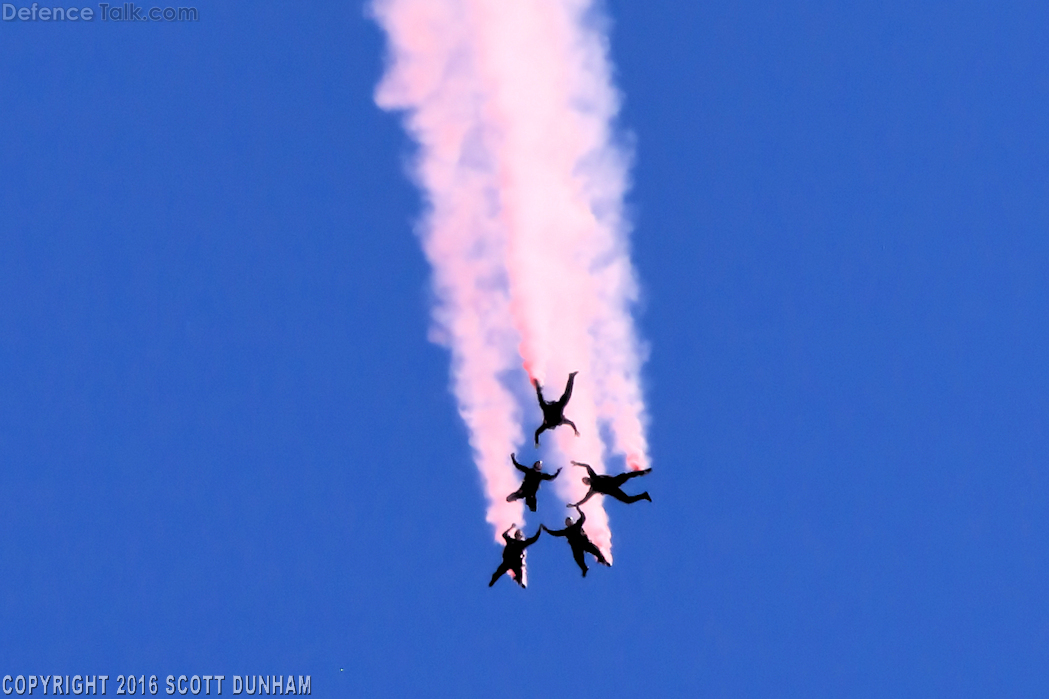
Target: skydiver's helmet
{"x":518,"y":534}
{"x":586,"y":480}
{"x":538,"y":465}
{"x":568,"y":520}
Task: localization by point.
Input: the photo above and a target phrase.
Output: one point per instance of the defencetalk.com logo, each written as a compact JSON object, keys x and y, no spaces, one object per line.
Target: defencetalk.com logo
{"x":107,"y":12}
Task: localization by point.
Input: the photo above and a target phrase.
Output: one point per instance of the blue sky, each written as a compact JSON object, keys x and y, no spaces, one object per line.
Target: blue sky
{"x":227,"y":447}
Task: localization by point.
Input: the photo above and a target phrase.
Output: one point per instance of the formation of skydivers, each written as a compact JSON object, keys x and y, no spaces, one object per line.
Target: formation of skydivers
{"x":514,"y":548}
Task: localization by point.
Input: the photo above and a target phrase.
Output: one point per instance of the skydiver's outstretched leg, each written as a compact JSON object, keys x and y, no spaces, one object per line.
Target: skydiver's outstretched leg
{"x":623,"y":497}
{"x":530,"y":501}
{"x":538,"y":432}
{"x":563,"y":400}
{"x":516,"y":495}
{"x":589,"y":547}
{"x":498,"y":573}
{"x":539,"y":392}
{"x":519,"y":575}
{"x":566,"y":421}
{"x":577,"y":554}
{"x":621,"y":478}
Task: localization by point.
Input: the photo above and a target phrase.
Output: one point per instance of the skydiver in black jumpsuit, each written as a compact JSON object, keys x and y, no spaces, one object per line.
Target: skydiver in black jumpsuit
{"x":554,"y":413}
{"x":611,"y":485}
{"x":579,"y":541}
{"x":514,"y":556}
{"x":530,"y":485}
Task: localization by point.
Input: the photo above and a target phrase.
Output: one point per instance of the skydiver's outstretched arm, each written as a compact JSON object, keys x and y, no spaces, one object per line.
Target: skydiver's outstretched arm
{"x":550,"y":476}
{"x":506,"y":538}
{"x":588,"y":496}
{"x":582,"y":515}
{"x":520,"y":467}
{"x":529,"y":542}
{"x":539,"y":432}
{"x":554,"y":532}
{"x":588,"y":470}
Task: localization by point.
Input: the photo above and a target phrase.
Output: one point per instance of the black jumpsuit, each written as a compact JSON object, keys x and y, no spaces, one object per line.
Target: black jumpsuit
{"x":513,"y":557}
{"x":533,"y":477}
{"x":612,"y":485}
{"x":554,"y":413}
{"x":580,"y":543}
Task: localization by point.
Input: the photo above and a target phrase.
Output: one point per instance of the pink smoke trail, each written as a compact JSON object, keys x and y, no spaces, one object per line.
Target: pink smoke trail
{"x":511,"y":104}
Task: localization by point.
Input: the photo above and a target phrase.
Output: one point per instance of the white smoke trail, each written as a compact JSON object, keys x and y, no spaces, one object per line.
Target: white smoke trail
{"x":511,"y":103}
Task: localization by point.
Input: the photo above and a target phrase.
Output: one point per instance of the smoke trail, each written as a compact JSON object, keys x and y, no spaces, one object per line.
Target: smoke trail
{"x":511,"y":104}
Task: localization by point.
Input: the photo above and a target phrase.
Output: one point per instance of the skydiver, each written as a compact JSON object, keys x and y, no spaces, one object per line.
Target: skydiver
{"x":554,"y":413}
{"x":530,"y":485}
{"x":514,"y":556}
{"x":611,"y":485}
{"x":579,"y":541}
